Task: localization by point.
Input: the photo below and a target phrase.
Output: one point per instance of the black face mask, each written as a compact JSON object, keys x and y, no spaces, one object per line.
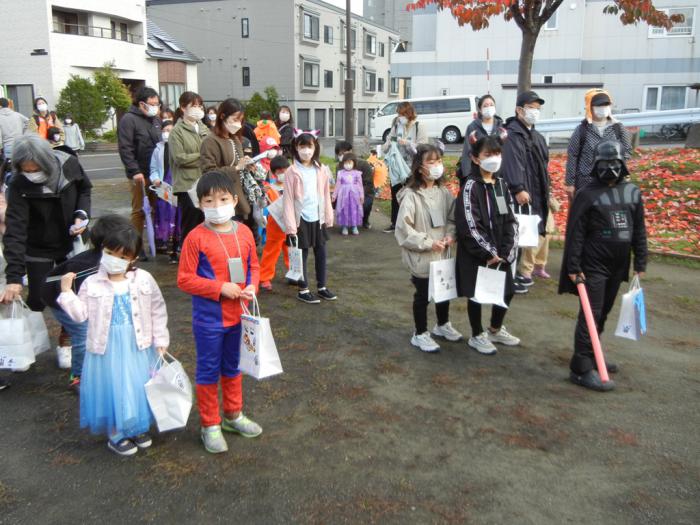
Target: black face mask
{"x":608,"y":171}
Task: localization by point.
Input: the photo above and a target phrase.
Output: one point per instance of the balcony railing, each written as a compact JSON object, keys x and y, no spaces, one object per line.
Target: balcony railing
{"x":99,"y":32}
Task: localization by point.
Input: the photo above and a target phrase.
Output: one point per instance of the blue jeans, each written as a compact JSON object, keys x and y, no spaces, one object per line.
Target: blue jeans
{"x":78,"y":335}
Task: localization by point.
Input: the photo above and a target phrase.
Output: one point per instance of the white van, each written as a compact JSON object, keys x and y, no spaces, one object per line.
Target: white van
{"x":444,"y":117}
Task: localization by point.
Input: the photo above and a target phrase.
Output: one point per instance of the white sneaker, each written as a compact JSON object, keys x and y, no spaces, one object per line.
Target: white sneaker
{"x":503,"y":337}
{"x":344,"y":231}
{"x":425,"y":342}
{"x":447,"y":331}
{"x":64,"y":356}
{"x":481,"y":344}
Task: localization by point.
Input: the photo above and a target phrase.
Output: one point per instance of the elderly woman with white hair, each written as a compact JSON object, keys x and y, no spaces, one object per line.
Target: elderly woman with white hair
{"x":47,"y":202}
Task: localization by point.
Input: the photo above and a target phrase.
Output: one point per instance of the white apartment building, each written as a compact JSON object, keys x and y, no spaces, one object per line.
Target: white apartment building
{"x":644,"y":68}
{"x":47,"y":41}
{"x":297,"y":46}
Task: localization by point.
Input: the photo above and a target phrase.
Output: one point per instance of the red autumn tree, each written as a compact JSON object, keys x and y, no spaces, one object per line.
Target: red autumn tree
{"x":531,"y":15}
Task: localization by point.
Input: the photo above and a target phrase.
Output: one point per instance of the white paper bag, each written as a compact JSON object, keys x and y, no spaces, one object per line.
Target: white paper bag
{"x":40,"y":335}
{"x":490,"y":286}
{"x":258,"y":353}
{"x":16,"y":346}
{"x":632,"y":321}
{"x":528,"y":229}
{"x":169,"y":395}
{"x":165,"y":192}
{"x":192,"y":192}
{"x":79,"y":246}
{"x":276,"y":211}
{"x":296,"y":262}
{"x":442,"y":282}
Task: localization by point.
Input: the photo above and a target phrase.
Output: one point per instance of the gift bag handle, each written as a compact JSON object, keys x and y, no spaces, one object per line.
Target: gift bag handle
{"x":255,"y":309}
{"x":635,"y":284}
{"x":529,"y":209}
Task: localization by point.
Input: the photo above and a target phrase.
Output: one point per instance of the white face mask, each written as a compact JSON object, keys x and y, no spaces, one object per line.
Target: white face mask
{"x":165,"y":136}
{"x":69,"y":122}
{"x":284,"y":117}
{"x":57,"y":137}
{"x":403,"y":120}
{"x":42,"y":107}
{"x":340,"y":158}
{"x":212,"y":116}
{"x":488,"y":112}
{"x":38,"y":177}
{"x":195,"y":114}
{"x":220,"y":214}
{"x":601,"y":112}
{"x":233,"y":127}
{"x":306,"y":153}
{"x":491,"y":164}
{"x":436,"y":172}
{"x":531,"y":116}
{"x":280,"y":177}
{"x":152,"y":111}
{"x":348,"y":166}
{"x":113,"y":265}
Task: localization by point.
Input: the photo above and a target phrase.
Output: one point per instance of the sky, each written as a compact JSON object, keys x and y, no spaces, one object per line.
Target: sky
{"x":356,"y":5}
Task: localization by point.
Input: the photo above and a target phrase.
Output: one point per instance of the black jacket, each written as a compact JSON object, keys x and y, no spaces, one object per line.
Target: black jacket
{"x":524,"y":167}
{"x":367,"y":175}
{"x":465,"y":163}
{"x":605,"y":223}
{"x":480,"y":235}
{"x":249,"y":133}
{"x":83,"y":261}
{"x":38,"y":221}
{"x":138,"y":136}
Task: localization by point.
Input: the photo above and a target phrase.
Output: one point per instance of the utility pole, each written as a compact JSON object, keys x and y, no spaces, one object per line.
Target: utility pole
{"x":348,"y":71}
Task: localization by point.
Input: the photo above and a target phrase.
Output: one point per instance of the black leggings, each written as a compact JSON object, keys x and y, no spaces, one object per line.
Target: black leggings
{"x":36,"y":274}
{"x":395,"y":204}
{"x":420,"y":306}
{"x":190,"y":215}
{"x":319,"y":263}
{"x":498,"y":313}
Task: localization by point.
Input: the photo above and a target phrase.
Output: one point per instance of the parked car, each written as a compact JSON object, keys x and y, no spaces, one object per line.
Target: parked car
{"x":446,"y":118}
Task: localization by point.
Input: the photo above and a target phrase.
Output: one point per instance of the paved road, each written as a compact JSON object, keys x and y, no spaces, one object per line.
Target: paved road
{"x":100,"y":166}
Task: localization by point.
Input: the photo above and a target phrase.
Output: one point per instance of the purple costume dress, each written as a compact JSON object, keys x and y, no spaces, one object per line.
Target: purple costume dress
{"x":166,"y":217}
{"x":349,"y":196}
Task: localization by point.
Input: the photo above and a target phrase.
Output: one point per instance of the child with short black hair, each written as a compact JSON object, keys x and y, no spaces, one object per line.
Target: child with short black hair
{"x":348,"y":195}
{"x":219,"y":269}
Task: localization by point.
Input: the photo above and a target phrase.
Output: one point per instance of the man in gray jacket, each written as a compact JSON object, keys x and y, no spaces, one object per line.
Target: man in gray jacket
{"x":12,"y":125}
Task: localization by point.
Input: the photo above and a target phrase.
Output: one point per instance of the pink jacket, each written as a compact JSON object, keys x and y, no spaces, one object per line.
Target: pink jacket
{"x":94,"y":304}
{"x":293,"y":197}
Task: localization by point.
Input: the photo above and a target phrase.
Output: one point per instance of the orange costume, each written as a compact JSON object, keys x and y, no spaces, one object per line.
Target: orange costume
{"x":275,"y":242}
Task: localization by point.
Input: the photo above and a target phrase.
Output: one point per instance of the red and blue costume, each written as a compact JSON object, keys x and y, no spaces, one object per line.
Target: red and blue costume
{"x":216,"y":320}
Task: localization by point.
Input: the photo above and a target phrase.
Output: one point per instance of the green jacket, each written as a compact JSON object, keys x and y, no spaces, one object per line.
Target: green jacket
{"x":184,"y":145}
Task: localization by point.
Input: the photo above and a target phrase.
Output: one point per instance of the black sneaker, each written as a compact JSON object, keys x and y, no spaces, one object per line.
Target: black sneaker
{"x":592,"y":381}
{"x":142,"y":441}
{"x":612,"y":368}
{"x":143,"y":257}
{"x":519,"y":288}
{"x":367,"y":226}
{"x":125,"y":447}
{"x":325,"y":293}
{"x":308,"y":297}
{"x":4,"y":383}
{"x":390,"y":229}
{"x":173,"y":259}
{"x":525,"y":281}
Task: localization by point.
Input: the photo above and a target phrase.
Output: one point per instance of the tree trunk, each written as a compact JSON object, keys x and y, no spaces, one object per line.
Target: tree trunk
{"x":527,"y":52}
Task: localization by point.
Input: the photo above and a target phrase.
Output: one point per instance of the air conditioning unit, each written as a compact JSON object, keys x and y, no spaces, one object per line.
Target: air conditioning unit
{"x":444,"y":92}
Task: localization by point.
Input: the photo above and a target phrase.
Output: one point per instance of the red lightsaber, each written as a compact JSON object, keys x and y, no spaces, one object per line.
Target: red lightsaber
{"x":592,"y":329}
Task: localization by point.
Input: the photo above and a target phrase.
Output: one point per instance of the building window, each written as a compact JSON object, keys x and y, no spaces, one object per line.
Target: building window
{"x":370,"y":82}
{"x":303,"y":119}
{"x":245,"y":28}
{"x":311,"y":23}
{"x":370,"y":44}
{"x":548,"y":79}
{"x":352,"y":77}
{"x":339,"y":122}
{"x":393,"y":86}
{"x":170,"y":94}
{"x":684,"y":28}
{"x":380,"y":49}
{"x":311,"y":75}
{"x":551,"y":24}
{"x":320,"y":121}
{"x":246,"y":76}
{"x":353,"y":37}
{"x":361,"y":122}
{"x":665,"y":97}
{"x":328,"y":34}
{"x":331,"y":125}
{"x":328,"y":78}
{"x":380,"y":85}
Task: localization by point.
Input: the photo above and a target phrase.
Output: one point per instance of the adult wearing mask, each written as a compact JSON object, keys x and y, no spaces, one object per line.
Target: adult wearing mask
{"x":138,"y":133}
{"x":598,"y":126}
{"x":43,"y":119}
{"x":48,"y":200}
{"x":407,"y":132}
{"x":222,"y":150}
{"x":185,"y":144}
{"x":486,"y":123}
{"x":12,"y":125}
{"x":524,"y":167}
{"x":210,"y":119}
{"x":74,"y":138}
{"x":285,"y":127}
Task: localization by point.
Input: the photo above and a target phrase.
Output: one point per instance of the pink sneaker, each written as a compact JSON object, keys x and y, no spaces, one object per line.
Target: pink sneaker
{"x":541,"y":273}
{"x":266,"y":285}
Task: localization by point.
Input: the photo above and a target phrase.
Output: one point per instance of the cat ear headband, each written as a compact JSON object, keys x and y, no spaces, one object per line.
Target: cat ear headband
{"x":299,"y":132}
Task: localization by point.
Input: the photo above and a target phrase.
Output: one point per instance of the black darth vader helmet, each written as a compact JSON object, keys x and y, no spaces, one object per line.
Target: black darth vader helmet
{"x":609,"y":164}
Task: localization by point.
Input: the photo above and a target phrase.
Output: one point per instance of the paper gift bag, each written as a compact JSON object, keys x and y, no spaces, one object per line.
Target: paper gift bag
{"x":37,"y":327}
{"x":442,"y":281}
{"x":490,"y":286}
{"x":192,"y":192}
{"x":16,"y":346}
{"x":258,"y":354}
{"x":632,"y":322}
{"x":528,"y":229}
{"x":169,"y":395}
{"x":296,"y":262}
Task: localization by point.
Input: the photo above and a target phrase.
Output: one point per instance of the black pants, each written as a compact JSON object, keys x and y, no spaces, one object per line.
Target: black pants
{"x":36,"y":275}
{"x":367,"y":209}
{"x":498,"y":313}
{"x":602,"y":291}
{"x":420,"y":306}
{"x":190,"y":215}
{"x":395,"y":204}
{"x":320,"y":265}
